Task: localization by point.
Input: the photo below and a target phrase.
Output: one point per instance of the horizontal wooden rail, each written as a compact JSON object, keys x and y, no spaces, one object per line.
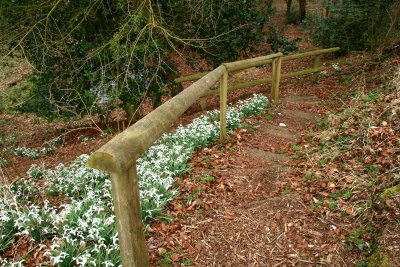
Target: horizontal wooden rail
{"x":234,"y":66}
{"x":310,"y":54}
{"x":249,"y":63}
{"x":261,"y":61}
{"x":191,"y":77}
{"x":238,"y":86}
{"x":302,"y":72}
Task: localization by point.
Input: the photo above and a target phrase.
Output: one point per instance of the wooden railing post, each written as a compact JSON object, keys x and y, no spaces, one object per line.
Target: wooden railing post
{"x":223,"y":99}
{"x":273,"y":75}
{"x":125,"y":191}
{"x":276,"y":77}
{"x":317,"y":64}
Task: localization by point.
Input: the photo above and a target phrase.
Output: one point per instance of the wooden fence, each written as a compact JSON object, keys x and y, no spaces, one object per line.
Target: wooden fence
{"x":118,"y":157}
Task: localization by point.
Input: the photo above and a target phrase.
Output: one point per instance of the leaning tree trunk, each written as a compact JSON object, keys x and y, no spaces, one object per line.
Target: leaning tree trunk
{"x":269,"y":3}
{"x":302,"y":4}
{"x":288,"y":6}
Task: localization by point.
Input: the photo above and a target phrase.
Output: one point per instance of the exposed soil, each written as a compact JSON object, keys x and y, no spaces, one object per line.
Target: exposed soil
{"x":242,"y":218}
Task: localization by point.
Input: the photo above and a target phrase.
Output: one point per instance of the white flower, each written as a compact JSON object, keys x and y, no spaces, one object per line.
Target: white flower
{"x":88,"y":216}
{"x":59,"y":258}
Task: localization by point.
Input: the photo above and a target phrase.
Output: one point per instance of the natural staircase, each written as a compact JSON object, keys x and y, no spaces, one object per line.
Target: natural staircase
{"x":250,"y":224}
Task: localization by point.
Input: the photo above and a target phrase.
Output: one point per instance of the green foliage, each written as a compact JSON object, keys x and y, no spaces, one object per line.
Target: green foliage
{"x":208,"y":179}
{"x":223,"y":28}
{"x":7,"y":236}
{"x":165,"y":258}
{"x":87,"y":53}
{"x":355,"y":24}
{"x":90,"y":54}
{"x":293,"y":17}
{"x":378,"y":259}
{"x":358,"y":239}
{"x":280,"y":43}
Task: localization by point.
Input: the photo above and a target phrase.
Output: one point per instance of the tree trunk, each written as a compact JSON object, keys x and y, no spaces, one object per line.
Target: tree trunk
{"x":302,"y":4}
{"x":269,"y":3}
{"x":156,"y":99}
{"x":288,"y":6}
{"x":327,"y":8}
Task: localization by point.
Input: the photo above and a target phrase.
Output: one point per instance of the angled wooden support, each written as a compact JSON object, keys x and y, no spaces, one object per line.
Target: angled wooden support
{"x":203,"y":103}
{"x":223,"y":99}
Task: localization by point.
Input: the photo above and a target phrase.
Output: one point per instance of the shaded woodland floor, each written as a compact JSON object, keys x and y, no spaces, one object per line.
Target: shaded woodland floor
{"x":245,"y":202}
{"x":244,"y":218}
{"x":249,"y":202}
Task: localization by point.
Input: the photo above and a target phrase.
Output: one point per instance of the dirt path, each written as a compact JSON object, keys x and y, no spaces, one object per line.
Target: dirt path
{"x":244,"y":219}
{"x":237,"y":206}
{"x":255,"y":226}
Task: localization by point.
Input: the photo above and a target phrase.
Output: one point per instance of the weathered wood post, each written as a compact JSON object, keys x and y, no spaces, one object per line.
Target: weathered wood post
{"x":276,"y":77}
{"x":223,"y":99}
{"x":125,"y":190}
{"x":316,"y":65}
{"x":273,"y":77}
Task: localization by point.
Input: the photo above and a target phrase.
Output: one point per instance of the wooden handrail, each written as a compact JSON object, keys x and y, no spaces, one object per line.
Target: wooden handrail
{"x":196,"y":76}
{"x":126,"y":147}
{"x":238,"y":86}
{"x":249,"y":63}
{"x":118,"y":156}
{"x":310,"y":53}
{"x":233,"y":66}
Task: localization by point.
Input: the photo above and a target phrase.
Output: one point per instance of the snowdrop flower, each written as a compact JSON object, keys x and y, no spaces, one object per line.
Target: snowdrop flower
{"x":59,"y":258}
{"x":88,"y":217}
{"x":336,"y":67}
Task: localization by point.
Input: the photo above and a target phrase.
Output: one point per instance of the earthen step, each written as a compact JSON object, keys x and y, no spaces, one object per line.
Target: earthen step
{"x":277,"y":131}
{"x":299,"y":114}
{"x":265,"y":157}
{"x":300,"y":99}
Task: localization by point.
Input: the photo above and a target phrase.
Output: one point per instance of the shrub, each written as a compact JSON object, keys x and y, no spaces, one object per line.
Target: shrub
{"x":236,"y":24}
{"x":87,"y":54}
{"x":280,"y":43}
{"x":356,"y":25}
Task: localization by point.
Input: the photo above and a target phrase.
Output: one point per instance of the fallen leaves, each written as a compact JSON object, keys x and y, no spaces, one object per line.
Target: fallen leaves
{"x":345,"y":167}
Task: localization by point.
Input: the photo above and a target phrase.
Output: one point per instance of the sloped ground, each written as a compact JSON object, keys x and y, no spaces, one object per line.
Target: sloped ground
{"x":242,"y":206}
{"x":13,"y":72}
{"x":275,"y":195}
{"x":243,"y":218}
{"x":246,"y":203}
